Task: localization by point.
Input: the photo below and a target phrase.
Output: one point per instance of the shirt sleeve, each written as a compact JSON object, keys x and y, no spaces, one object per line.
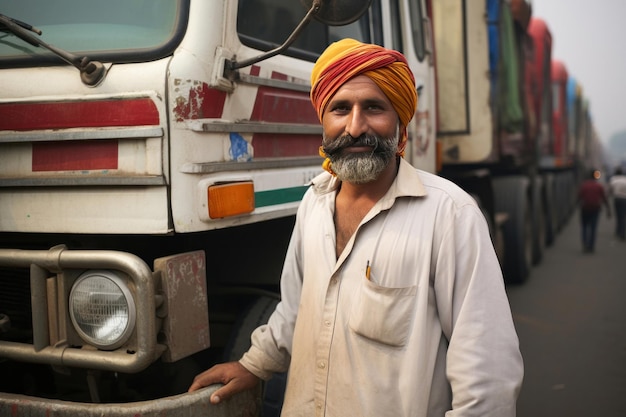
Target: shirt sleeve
{"x":484,"y":363}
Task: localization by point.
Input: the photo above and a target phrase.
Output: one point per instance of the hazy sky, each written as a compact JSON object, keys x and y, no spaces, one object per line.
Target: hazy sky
{"x":588,"y":36}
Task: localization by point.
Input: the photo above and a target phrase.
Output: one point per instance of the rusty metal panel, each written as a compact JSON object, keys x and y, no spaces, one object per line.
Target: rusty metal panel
{"x":186,"y":326}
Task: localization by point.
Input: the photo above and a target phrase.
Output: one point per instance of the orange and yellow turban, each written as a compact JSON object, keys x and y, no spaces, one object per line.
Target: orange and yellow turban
{"x":348,"y":58}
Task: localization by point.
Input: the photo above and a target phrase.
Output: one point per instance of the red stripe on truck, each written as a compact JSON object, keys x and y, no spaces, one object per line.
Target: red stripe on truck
{"x":274,"y":105}
{"x":267,"y":145}
{"x":69,"y":114}
{"x":74,"y":155}
{"x":283,"y":106}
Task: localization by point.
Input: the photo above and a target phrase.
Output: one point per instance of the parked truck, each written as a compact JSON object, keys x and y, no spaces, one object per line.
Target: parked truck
{"x":575,"y":148}
{"x":153,"y":154}
{"x":487,"y":127}
{"x":506,"y":130}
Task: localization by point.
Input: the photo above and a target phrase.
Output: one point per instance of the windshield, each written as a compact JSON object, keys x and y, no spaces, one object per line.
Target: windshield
{"x":111,"y":31}
{"x":265,"y":24}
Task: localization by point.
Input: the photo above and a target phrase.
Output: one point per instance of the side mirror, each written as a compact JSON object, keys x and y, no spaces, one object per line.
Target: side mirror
{"x":329,"y":12}
{"x":338,"y":12}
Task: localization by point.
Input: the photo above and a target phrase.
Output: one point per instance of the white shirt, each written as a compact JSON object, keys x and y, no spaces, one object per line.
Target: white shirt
{"x":429,"y":331}
{"x":617,"y":185}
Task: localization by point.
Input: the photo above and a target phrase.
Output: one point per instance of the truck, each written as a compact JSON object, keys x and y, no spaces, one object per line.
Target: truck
{"x":511,"y":131}
{"x":487,"y":125}
{"x":585,"y":147}
{"x":575,"y":149}
{"x":153,"y":154}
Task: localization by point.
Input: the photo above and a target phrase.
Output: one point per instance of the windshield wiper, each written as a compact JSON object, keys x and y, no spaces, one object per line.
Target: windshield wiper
{"x":91,"y":72}
{"x":24,"y":25}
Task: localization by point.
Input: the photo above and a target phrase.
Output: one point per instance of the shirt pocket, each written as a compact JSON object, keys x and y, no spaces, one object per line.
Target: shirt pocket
{"x":383,"y":314}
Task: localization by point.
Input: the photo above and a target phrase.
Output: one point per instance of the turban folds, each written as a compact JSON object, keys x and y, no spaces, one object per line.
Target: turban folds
{"x":349,"y":58}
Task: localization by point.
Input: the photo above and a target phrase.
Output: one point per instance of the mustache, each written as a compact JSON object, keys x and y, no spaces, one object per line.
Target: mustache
{"x":333,"y":147}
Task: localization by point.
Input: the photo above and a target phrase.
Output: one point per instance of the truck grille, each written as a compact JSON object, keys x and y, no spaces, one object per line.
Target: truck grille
{"x":15,"y":302}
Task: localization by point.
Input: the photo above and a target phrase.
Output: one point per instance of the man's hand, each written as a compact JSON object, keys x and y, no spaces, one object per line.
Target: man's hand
{"x":232,"y":375}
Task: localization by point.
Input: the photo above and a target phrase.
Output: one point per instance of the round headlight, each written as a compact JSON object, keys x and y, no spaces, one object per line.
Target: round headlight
{"x":102,"y":309}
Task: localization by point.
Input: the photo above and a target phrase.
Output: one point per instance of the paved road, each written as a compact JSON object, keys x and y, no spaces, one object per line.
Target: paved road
{"x":571,"y":319}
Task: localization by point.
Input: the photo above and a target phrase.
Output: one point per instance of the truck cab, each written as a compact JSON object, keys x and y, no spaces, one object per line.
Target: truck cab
{"x":153,"y":154}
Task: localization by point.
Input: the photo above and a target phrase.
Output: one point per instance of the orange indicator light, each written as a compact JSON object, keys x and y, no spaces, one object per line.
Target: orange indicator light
{"x":230,"y":199}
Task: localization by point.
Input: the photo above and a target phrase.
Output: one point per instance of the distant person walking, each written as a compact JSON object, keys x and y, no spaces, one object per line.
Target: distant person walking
{"x":591,"y":196}
{"x":617,"y":185}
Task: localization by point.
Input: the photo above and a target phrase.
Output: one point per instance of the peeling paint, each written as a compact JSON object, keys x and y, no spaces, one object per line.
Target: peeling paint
{"x":199,"y":102}
{"x":239,"y":148}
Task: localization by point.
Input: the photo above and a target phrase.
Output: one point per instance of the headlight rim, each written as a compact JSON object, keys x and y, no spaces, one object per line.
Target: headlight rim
{"x":122,"y":284}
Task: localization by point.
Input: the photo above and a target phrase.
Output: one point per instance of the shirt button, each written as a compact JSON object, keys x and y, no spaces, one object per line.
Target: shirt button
{"x":321,"y":364}
{"x":326,"y":323}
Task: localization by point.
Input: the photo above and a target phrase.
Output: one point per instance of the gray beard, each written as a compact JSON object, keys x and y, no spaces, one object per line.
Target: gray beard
{"x":362,"y":167}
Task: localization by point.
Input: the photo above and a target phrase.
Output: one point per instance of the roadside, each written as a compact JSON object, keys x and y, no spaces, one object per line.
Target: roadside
{"x":571,"y":319}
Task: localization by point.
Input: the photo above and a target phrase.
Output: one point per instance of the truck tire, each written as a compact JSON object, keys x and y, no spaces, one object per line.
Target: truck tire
{"x":572,"y":194}
{"x":257,"y":314}
{"x":549,"y":208}
{"x":562,"y":198}
{"x":538,"y":222}
{"x":511,"y":197}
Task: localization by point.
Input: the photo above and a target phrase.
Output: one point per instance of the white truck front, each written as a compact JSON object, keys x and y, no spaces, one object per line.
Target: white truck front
{"x":152,"y":156}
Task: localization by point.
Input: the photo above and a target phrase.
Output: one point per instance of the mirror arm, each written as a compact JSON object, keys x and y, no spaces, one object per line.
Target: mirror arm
{"x":234,"y":65}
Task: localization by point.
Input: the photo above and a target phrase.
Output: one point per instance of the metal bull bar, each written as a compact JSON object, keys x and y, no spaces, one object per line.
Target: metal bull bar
{"x":245,"y":404}
{"x":46,"y":263}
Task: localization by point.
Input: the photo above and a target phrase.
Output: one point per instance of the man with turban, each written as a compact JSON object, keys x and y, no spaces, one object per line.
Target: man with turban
{"x":392,"y":299}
